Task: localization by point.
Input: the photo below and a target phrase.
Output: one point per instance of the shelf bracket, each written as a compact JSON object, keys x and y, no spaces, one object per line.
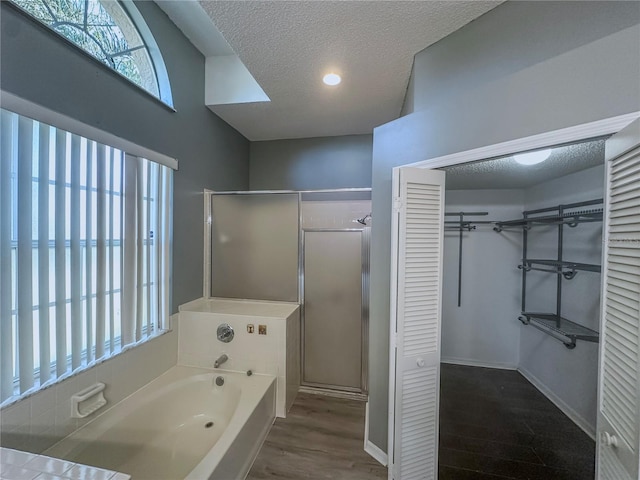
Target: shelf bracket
{"x":568,"y":341}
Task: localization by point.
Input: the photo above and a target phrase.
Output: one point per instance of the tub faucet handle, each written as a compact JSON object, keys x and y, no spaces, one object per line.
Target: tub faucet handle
{"x":225,"y":332}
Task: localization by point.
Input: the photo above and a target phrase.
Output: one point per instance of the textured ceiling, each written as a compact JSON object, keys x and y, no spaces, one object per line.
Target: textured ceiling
{"x":507,"y":173}
{"x":289,"y":45}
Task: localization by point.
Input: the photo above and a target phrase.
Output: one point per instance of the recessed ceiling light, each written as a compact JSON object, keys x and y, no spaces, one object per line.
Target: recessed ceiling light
{"x":332,"y":79}
{"x":531,"y":158}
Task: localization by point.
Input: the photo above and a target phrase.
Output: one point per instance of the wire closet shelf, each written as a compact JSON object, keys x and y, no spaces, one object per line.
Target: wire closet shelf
{"x":569,"y":215}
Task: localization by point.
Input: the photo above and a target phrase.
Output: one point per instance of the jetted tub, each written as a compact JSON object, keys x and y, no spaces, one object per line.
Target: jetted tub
{"x":180,"y":426}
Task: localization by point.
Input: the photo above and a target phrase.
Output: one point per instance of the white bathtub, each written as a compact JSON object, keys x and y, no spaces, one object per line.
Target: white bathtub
{"x":276,"y":352}
{"x":180,"y":426}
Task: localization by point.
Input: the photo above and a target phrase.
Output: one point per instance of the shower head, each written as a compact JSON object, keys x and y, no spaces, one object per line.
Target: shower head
{"x":363,"y":220}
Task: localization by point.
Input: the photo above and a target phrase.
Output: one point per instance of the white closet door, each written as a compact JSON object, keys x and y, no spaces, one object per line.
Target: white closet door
{"x":416,"y":292}
{"x":619,"y":389}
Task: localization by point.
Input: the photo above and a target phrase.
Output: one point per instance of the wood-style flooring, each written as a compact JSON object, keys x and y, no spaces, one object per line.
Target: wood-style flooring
{"x":321,"y":438}
{"x":495,"y":425}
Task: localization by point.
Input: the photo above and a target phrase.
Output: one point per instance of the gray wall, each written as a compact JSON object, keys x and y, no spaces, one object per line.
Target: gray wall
{"x":312,"y":163}
{"x":39,"y":66}
{"x":484,"y":329}
{"x":526,"y":34}
{"x":570,"y":375}
{"x":586,"y":83}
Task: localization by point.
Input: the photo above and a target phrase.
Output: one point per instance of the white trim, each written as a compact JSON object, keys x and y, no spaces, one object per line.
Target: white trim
{"x":19,"y":105}
{"x":262,"y":192}
{"x":557,"y":137}
{"x":376,"y":452}
{"x":474,"y":363}
{"x":159,"y":67}
{"x":395,"y":249}
{"x":584,"y":425}
{"x":206,"y":280}
{"x":328,"y":392}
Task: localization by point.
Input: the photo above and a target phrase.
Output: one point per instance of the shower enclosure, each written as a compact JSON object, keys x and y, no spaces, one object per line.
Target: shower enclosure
{"x":311,"y":248}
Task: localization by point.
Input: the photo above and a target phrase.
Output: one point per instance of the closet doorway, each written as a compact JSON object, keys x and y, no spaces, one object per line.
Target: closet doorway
{"x":616,"y":449}
{"x":521,"y":313}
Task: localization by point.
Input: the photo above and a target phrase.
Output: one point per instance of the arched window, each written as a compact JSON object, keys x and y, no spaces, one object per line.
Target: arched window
{"x":113,"y":32}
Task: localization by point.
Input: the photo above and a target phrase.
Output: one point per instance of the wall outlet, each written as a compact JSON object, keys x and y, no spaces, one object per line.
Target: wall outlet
{"x":250,"y":328}
{"x":262,"y":329}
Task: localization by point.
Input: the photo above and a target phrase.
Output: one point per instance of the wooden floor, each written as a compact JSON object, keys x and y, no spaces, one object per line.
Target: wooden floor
{"x":321,"y":438}
{"x":495,"y":425}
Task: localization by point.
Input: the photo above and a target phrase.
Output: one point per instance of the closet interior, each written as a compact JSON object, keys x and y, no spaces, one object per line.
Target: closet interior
{"x":521,"y":312}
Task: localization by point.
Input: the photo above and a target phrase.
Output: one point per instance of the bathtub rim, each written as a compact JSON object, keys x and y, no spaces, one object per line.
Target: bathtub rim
{"x":247,"y":405}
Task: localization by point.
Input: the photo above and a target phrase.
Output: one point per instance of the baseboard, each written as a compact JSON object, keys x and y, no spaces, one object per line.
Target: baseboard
{"x":376,"y":453}
{"x":361,"y":397}
{"x":369,"y":447}
{"x":584,"y":425}
{"x":474,"y":363}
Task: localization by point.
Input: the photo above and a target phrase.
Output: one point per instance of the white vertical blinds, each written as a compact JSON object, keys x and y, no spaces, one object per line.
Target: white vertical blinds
{"x":60,"y":223}
{"x":44,"y":255}
{"x":24,"y":264}
{"x":6,"y":260}
{"x":84,"y":252}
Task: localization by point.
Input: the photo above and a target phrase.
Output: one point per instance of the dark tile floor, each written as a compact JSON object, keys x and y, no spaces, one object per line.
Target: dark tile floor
{"x":494,"y":425}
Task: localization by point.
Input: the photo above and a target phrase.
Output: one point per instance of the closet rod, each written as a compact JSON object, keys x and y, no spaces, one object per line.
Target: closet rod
{"x":461,"y":227}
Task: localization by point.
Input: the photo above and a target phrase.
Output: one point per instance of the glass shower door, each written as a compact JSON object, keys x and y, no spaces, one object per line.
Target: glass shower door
{"x":334,"y":308}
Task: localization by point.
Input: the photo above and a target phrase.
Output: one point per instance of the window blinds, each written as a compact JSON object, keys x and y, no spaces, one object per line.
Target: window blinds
{"x":84,"y":252}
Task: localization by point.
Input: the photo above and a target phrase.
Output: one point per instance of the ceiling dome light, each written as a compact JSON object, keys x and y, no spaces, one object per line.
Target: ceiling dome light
{"x":531,"y":158}
{"x":332,"y":79}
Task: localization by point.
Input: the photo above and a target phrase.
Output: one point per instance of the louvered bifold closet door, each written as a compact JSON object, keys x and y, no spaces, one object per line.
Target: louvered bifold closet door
{"x":420,"y":214}
{"x":619,"y":406}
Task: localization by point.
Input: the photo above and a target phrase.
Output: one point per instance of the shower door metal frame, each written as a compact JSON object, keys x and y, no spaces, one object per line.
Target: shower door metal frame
{"x":208,"y":224}
{"x":364,"y":310}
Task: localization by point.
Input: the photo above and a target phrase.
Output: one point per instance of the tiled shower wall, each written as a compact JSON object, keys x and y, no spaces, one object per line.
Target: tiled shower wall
{"x":39,"y":421}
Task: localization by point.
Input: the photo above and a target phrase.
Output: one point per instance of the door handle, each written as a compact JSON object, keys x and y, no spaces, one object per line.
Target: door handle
{"x":609,"y":440}
{"x":420,"y":362}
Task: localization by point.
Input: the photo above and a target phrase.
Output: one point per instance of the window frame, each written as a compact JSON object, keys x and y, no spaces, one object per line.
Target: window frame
{"x":165,"y":97}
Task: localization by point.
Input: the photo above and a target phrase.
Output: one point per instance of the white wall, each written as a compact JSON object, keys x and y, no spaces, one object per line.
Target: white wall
{"x":484,"y":330}
{"x":570,"y":376}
